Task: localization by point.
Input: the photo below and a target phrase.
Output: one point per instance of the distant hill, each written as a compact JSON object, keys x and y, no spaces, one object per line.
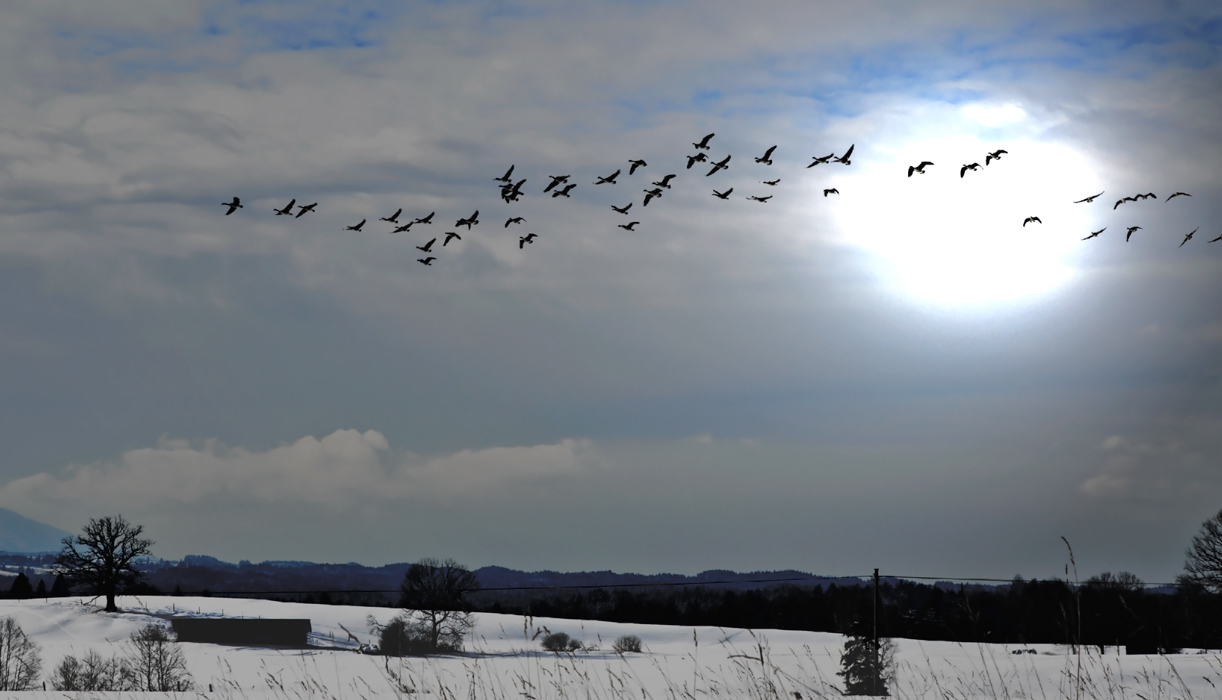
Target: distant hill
{"x":20,"y":534}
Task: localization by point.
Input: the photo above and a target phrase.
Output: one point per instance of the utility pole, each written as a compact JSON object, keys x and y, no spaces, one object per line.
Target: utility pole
{"x":874,"y":679}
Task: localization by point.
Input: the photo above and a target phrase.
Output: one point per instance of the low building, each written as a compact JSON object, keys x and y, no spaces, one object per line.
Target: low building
{"x":260,"y":632}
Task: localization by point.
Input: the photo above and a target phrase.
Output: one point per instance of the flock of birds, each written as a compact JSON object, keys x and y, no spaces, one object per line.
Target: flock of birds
{"x":559,"y":186}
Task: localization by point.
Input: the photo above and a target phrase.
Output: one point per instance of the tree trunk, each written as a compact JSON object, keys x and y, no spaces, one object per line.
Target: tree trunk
{"x":110,"y":602}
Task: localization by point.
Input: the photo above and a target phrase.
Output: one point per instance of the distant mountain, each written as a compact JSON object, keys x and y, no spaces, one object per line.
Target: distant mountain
{"x":21,"y":534}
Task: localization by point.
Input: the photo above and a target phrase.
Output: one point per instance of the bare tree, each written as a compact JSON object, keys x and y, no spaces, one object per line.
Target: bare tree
{"x":1204,"y":564}
{"x":433,"y":595}
{"x":20,"y":662}
{"x":101,"y":558}
{"x":155,"y":663}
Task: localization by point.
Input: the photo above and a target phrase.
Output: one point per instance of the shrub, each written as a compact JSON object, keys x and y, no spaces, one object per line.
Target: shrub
{"x":20,"y":662}
{"x":93,"y":673}
{"x":862,"y":675}
{"x":558,"y":642}
{"x":155,"y":663}
{"x":404,"y":636}
{"x":627,"y":643}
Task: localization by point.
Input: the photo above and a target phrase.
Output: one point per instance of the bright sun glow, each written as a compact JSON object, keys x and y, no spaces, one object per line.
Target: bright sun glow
{"x":945,"y":240}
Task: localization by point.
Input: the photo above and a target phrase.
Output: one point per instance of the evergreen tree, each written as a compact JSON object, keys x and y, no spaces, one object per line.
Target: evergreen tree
{"x":862,"y":676}
{"x":21,"y":587}
{"x":60,"y":588}
{"x":41,"y":591}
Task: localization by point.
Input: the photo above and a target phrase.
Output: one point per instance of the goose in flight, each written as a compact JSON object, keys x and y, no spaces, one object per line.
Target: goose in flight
{"x":1188,"y":237}
{"x":1031,"y":219}
{"x":1215,"y":240}
{"x":305,"y":208}
{"x":1178,"y":194}
{"x":516,"y":191}
{"x":1147,"y":195}
{"x":288,"y":208}
{"x":505,"y":178}
{"x":235,"y":205}
{"x":355,"y":228}
{"x":719,"y":166}
{"x":723,"y":195}
{"x":427,"y":261}
{"x":920,"y":169}
{"x":759,"y":199}
{"x":473,"y":219}
{"x":628,"y":227}
{"x":393,"y":218}
{"x":845,"y":158}
{"x":428,"y":219}
{"x":449,"y":236}
{"x":704,"y":142}
{"x":650,"y":194}
{"x":624,"y":209}
{"x":830,"y":190}
{"x":514,"y":220}
{"x":1095,"y":233}
{"x":564,"y":192}
{"x":698,"y":158}
{"x":1130,"y":233}
{"x":820,"y":160}
{"x":771,"y":183}
{"x":971,"y":166}
{"x":636,"y":164}
{"x":665,"y":182}
{"x":404,"y":227}
{"x":767,"y":159}
{"x":608,"y":179}
{"x":1090,"y":199}
{"x":1122,"y":201}
{"x":427,"y":247}
{"x":556,"y":180}
{"x":528,"y":238}
{"x":995,"y":155}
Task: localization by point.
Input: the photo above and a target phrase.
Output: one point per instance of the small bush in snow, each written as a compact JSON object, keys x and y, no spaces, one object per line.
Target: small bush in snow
{"x":404,"y":636}
{"x":627,"y":643}
{"x":20,"y":663}
{"x":92,"y":673}
{"x":559,"y":641}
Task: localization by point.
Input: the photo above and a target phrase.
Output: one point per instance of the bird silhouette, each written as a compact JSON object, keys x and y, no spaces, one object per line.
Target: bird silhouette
{"x":971,"y":166}
{"x":514,"y":220}
{"x":556,"y":180}
{"x":1031,"y":219}
{"x":450,"y":235}
{"x":624,"y":209}
{"x":698,"y":158}
{"x":759,"y":199}
{"x":427,"y":261}
{"x":506,"y":176}
{"x":393,"y":218}
{"x":723,"y":195}
{"x":287,"y":210}
{"x":404,"y":227}
{"x":771,"y":183}
{"x":355,"y":228}
{"x":830,"y":190}
{"x":473,"y":219}
{"x":650,"y":194}
{"x":305,"y":208}
{"x":918,"y":168}
{"x":1215,"y":240}
{"x":429,"y":219}
{"x":636,"y":164}
{"x":1094,"y":233}
{"x":235,"y":205}
{"x":820,"y":160}
{"x":720,"y":166}
{"x":1178,"y":194}
{"x":1188,"y":237}
{"x":610,"y":179}
{"x":528,"y":238}
{"x":1129,"y":235}
{"x":427,"y":247}
{"x":564,"y":192}
{"x":1090,"y":199}
{"x":767,"y":159}
{"x":704,"y":142}
{"x":845,"y":158}
{"x":995,"y":155}
{"x":665,"y":182}
{"x":1122,"y":201}
{"x":1147,"y":195}
{"x":628,"y":227}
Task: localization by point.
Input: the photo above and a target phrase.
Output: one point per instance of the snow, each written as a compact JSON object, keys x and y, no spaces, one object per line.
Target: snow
{"x":504,"y":661}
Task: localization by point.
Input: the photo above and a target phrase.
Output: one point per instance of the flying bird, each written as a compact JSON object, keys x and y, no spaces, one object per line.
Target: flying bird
{"x":1147,"y":195}
{"x":506,"y":176}
{"x":1130,"y":233}
{"x":628,"y":227}
{"x":665,"y":182}
{"x":427,"y":246}
{"x":1188,"y":237}
{"x":564,"y":192}
{"x":428,"y":219}
{"x":1091,"y":198}
{"x":355,"y":228}
{"x":650,"y":194}
{"x":556,"y":180}
{"x":528,"y":238}
{"x":819,"y":160}
{"x":393,"y":218}
{"x":1215,"y":240}
{"x":450,"y":235}
{"x":427,"y":261}
{"x":698,"y":158}
{"x":305,"y":208}
{"x":1122,"y":201}
{"x":288,"y":208}
{"x":636,"y":164}
{"x":720,"y":166}
{"x":1178,"y":194}
{"x":514,"y":220}
{"x":767,"y":159}
{"x":404,"y":227}
{"x":918,"y":168}
{"x":1031,"y":219}
{"x":608,"y":179}
{"x":624,"y":209}
{"x":704,"y":142}
{"x":759,"y":199}
{"x":995,"y":155}
{"x":830,"y":190}
{"x":235,"y":205}
{"x":973,"y":167}
{"x":1094,"y":233}
{"x":723,"y":195}
{"x":845,"y":158}
{"x":771,"y":183}
{"x":473,"y":219}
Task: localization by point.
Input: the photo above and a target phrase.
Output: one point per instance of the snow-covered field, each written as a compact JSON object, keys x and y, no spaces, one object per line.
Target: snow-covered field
{"x":503,"y":660}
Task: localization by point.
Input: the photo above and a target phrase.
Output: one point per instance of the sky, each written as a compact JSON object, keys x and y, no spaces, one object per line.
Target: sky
{"x":900,"y":375}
